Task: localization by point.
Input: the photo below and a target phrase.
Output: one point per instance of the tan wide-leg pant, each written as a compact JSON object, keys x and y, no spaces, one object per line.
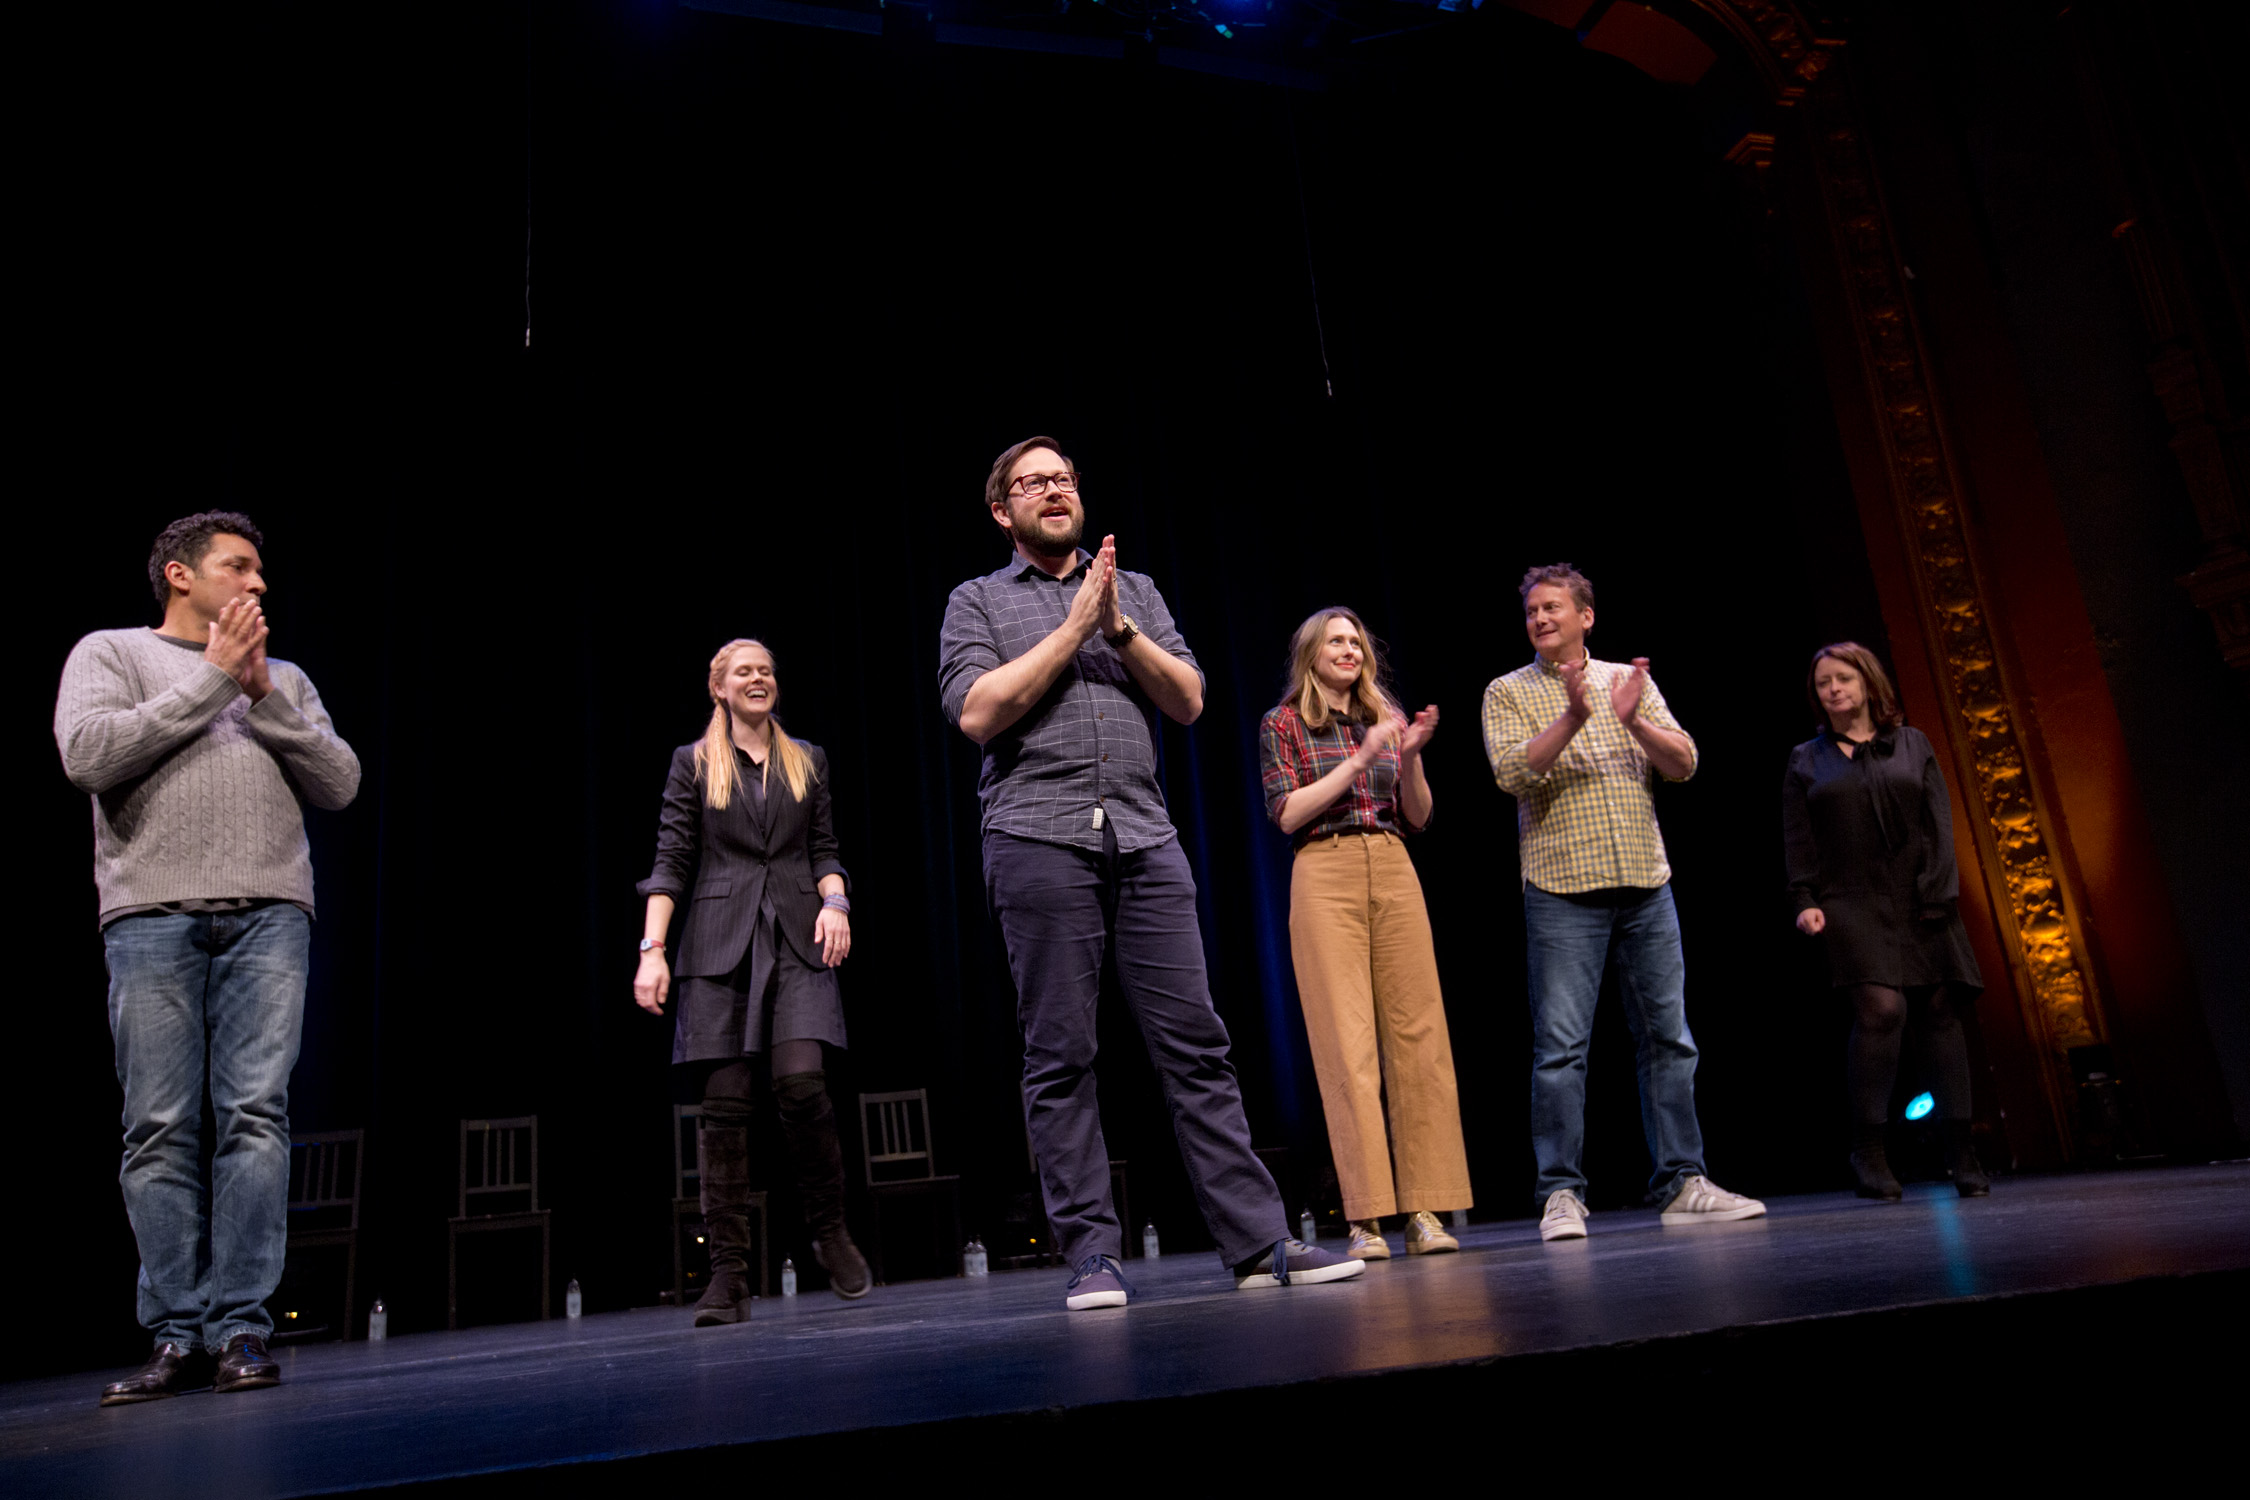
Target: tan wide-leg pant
{"x":1367,"y":976}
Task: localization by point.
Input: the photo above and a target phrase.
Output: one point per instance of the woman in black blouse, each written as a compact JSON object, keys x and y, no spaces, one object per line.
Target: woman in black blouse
{"x":1868,"y":835}
{"x":746,"y":832}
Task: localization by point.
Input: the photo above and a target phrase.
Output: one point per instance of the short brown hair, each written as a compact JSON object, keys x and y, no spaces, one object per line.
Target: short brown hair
{"x":188,"y":540}
{"x":1882,"y":698}
{"x":996,"y":482}
{"x":1562,"y":576}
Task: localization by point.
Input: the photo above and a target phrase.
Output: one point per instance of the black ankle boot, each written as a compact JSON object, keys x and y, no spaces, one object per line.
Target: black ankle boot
{"x":808,"y":1121}
{"x":725,"y":1152}
{"x":1871,"y":1170}
{"x":1961,"y":1154}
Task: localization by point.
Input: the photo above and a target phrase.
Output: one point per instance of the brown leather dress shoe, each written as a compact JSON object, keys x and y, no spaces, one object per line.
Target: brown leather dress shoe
{"x":244,"y":1365}
{"x":173,"y":1368}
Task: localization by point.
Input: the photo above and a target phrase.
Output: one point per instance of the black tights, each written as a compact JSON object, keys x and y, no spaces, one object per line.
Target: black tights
{"x":1879,"y":1017}
{"x":726,"y":1092}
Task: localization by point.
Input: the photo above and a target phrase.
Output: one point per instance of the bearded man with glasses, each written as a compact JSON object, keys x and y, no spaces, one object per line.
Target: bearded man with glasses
{"x":1057,"y":665}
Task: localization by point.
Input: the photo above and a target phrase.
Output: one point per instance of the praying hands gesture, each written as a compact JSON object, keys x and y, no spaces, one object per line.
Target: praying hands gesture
{"x":238,"y":645}
{"x":1093,"y":609}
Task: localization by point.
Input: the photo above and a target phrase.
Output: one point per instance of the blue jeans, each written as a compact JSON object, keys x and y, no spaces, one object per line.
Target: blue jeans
{"x":1571,"y":940}
{"x":207,"y":1001}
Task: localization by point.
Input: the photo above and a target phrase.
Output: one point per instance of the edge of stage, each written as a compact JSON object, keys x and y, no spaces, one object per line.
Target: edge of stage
{"x":1638,"y":1332}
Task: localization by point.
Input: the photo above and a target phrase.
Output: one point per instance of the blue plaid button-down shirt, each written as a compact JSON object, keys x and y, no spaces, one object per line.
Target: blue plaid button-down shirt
{"x":1091,"y":741}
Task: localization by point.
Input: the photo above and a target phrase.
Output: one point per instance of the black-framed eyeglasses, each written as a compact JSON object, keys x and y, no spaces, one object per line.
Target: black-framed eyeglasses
{"x":1036,"y":485}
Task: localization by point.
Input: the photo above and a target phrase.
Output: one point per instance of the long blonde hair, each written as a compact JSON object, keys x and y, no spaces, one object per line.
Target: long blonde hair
{"x":1371,"y":698}
{"x":714,"y":757}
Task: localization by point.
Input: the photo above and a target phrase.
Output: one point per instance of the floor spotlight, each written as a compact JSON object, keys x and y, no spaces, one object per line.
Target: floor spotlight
{"x":1919,"y":1105}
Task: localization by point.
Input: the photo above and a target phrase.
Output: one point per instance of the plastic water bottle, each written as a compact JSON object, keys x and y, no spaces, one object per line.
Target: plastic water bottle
{"x":788,"y":1278}
{"x":1460,"y":1218}
{"x":573,"y":1305}
{"x":378,"y":1322}
{"x":973,"y":1259}
{"x":1148,"y":1241}
{"x":1306,"y":1227}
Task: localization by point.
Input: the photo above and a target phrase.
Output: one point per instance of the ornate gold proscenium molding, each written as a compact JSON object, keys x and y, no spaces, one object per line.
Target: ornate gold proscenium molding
{"x":1779,"y":42}
{"x":2057,"y":991}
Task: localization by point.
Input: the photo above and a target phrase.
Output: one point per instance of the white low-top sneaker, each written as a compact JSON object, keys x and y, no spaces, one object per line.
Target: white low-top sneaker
{"x":1565,"y":1218}
{"x":1702,"y":1201}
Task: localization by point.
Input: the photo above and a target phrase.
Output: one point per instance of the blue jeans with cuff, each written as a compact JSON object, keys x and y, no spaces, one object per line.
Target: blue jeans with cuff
{"x":197,"y":1001}
{"x":1570,"y":942}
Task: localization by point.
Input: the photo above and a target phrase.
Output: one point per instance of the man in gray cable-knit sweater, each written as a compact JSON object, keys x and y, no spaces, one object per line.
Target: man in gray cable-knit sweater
{"x":200,"y":752}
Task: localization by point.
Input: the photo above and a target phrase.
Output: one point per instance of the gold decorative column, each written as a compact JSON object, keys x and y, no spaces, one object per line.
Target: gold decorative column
{"x":2016,"y":833}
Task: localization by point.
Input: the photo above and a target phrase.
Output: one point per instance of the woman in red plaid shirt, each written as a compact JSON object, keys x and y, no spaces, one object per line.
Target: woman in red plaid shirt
{"x":1342,"y":768}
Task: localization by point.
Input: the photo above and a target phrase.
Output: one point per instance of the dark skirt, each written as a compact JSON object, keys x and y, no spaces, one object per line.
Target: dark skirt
{"x":1877,"y":937}
{"x":772,"y":996}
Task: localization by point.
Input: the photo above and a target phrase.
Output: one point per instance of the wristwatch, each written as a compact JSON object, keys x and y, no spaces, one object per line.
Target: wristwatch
{"x":648,"y":943}
{"x":1124,"y":637}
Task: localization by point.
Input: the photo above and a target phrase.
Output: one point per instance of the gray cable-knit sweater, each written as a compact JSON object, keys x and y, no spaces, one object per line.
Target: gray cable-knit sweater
{"x":197,"y":791}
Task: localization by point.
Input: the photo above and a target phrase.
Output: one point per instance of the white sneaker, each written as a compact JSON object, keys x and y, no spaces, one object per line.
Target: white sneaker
{"x":1702,"y":1201}
{"x":1426,"y":1236}
{"x":1367,"y":1241}
{"x":1565,"y":1218}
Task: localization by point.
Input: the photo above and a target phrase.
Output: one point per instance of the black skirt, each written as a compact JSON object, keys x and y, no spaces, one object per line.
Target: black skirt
{"x":772,"y":996}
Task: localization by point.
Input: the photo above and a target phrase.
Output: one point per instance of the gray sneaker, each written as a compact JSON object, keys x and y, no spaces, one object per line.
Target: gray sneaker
{"x":1702,"y":1201}
{"x":1098,"y":1282}
{"x":1565,"y":1218}
{"x":1295,"y":1263}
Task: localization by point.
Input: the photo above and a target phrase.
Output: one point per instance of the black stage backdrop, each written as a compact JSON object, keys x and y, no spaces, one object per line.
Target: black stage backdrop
{"x":1490,"y":301}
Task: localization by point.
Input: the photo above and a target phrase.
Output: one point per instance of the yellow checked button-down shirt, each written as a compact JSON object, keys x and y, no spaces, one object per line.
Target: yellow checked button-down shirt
{"x":1588,"y":824}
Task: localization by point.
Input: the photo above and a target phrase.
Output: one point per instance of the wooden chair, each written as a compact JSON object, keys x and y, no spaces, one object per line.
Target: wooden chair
{"x":499,"y":1191}
{"x":324,"y":1181}
{"x":901,"y":1163}
{"x":689,"y":1274}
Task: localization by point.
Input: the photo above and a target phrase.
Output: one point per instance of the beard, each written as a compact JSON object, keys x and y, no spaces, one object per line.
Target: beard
{"x":1038,"y":542}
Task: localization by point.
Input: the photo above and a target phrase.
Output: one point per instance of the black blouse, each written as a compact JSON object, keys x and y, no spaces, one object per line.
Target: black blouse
{"x":1868,"y":838}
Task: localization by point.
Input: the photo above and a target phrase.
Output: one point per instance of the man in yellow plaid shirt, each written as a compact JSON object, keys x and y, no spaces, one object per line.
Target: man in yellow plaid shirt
{"x":1573,"y":740}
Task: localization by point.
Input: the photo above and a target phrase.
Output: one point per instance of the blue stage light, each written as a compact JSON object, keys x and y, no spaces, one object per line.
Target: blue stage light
{"x":1919,"y":1105}
{"x":1223,"y":29}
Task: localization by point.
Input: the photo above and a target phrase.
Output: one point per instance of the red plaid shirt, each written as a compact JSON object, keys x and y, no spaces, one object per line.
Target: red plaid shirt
{"x":1293,"y":754}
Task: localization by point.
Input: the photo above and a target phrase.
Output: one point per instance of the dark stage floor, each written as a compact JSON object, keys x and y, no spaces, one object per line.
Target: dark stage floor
{"x":643,"y":1386}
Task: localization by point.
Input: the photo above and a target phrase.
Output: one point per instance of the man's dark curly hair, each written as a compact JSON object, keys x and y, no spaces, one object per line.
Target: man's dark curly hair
{"x":188,"y":539}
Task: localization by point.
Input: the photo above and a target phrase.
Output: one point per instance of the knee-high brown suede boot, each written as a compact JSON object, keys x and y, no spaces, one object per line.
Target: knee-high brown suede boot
{"x":725,"y":1153}
{"x":808,"y":1121}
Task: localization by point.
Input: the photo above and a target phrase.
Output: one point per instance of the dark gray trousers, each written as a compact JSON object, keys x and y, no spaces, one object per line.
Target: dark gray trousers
{"x":1061,"y":911}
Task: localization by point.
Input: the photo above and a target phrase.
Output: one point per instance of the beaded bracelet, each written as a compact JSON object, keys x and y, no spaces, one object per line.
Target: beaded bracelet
{"x":838,"y":902}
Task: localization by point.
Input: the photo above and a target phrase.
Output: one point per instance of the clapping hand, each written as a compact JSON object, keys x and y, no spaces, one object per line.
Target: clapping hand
{"x":1412,"y":737}
{"x":1380,"y":735}
{"x":1625,"y":693}
{"x":1574,"y":690}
